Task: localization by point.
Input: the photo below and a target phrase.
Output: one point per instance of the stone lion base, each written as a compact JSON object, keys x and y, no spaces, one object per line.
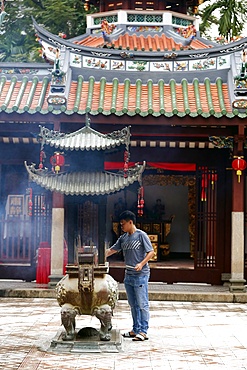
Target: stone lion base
{"x":86,"y":341}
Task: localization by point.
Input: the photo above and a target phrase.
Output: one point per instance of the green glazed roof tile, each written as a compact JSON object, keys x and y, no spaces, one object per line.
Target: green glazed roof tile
{"x":174,"y":98}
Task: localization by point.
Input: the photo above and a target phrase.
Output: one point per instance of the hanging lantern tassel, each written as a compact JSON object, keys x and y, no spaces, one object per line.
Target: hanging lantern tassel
{"x":140,"y":203}
{"x":239,"y":173}
{"x":126,"y":163}
{"x":42,"y":157}
{"x":239,"y":165}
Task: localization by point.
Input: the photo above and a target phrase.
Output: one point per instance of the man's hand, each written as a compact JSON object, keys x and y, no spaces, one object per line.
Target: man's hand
{"x":139,"y":266}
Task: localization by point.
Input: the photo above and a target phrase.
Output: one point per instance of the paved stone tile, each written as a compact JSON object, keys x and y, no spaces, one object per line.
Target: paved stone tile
{"x":182,"y":335}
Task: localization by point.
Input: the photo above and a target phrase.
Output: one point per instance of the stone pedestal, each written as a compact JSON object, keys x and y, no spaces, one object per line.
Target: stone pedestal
{"x":237,"y":281}
{"x":87,"y":344}
{"x":54,"y":279}
{"x":237,"y":285}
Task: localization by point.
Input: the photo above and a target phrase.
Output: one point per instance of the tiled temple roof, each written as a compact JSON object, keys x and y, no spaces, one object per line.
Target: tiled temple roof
{"x":165,"y":75}
{"x":207,"y":98}
{"x":85,"y":183}
{"x":141,"y":43}
{"x":85,"y":139}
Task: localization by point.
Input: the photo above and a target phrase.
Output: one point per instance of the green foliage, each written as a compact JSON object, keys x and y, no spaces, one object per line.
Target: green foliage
{"x":230,"y":19}
{"x":64,"y":16}
{"x":17,"y":35}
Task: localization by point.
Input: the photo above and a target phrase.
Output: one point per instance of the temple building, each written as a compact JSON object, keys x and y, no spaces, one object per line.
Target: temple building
{"x":138,"y":113}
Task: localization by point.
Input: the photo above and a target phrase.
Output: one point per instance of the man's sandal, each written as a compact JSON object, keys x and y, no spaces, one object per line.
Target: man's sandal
{"x":140,"y":337}
{"x":129,"y":334}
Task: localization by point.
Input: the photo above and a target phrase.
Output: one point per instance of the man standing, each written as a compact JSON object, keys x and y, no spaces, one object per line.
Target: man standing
{"x":137,"y":250}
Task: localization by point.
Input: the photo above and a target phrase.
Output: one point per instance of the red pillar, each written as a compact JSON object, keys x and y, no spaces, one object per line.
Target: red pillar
{"x":237,"y":281}
{"x":57,"y":200}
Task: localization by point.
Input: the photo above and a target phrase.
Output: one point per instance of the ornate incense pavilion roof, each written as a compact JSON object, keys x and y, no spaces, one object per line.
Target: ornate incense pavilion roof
{"x":85,"y":139}
{"x":85,"y":183}
{"x":86,"y":177}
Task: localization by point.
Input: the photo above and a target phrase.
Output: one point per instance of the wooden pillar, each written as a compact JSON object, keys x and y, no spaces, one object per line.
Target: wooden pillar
{"x":237,"y":281}
{"x":57,"y":239}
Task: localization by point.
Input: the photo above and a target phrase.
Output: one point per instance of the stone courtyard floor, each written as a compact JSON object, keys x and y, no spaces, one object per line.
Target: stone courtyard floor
{"x":182,"y":335}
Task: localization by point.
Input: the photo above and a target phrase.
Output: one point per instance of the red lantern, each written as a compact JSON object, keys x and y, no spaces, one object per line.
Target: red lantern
{"x":239,"y":164}
{"x":57,"y":161}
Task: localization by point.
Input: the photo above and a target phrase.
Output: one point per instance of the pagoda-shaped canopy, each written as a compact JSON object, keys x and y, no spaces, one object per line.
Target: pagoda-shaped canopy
{"x":84,"y":179}
{"x":85,"y":138}
{"x":85,"y":183}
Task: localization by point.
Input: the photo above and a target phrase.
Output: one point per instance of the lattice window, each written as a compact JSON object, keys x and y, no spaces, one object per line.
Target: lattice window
{"x":149,"y":18}
{"x":21,"y":233}
{"x":110,"y":19}
{"x":207,"y":218}
{"x":181,"y":21}
{"x":144,"y":18}
{"x":140,"y":18}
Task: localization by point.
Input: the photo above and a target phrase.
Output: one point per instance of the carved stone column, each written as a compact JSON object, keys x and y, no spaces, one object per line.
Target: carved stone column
{"x":237,"y":281}
{"x":57,"y":239}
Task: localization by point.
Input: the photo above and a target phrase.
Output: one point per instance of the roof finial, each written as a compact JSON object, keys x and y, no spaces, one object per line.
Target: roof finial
{"x":87,"y":120}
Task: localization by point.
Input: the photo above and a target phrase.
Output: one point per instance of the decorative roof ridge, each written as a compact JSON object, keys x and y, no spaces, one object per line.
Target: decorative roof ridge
{"x":137,"y":168}
{"x":62,"y":140}
{"x":206,"y":41}
{"x":191,"y":54}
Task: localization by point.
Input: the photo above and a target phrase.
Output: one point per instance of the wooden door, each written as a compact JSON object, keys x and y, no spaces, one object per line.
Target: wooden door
{"x":23,"y":227}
